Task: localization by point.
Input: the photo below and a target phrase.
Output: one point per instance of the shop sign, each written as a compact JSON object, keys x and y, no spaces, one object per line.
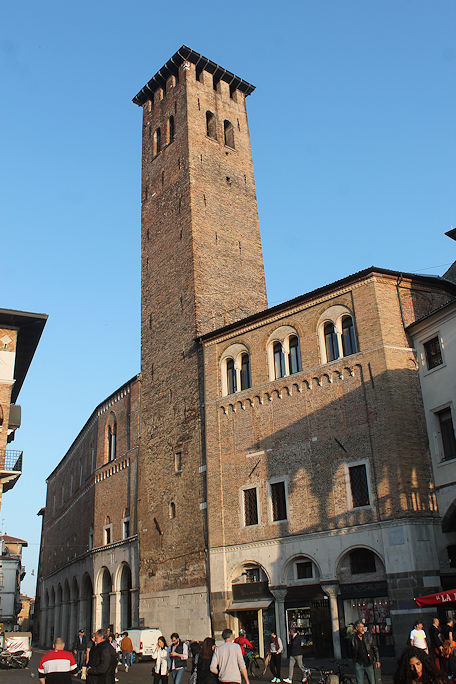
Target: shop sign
{"x":250,"y":590}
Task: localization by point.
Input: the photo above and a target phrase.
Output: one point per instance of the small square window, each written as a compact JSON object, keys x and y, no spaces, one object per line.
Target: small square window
{"x":433,"y":353}
{"x":304,"y":570}
{"x":250,"y":506}
{"x":359,"y":486}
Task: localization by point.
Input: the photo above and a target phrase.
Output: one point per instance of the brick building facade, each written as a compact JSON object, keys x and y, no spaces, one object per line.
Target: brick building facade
{"x":283,"y":466}
{"x":88,"y":567}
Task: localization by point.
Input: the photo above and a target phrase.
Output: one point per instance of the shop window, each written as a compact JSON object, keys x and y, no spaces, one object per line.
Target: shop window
{"x":304,"y":570}
{"x":447,"y":437}
{"x":359,"y":486}
{"x":362,"y":562}
{"x":279,"y":361}
{"x":279,"y":501}
{"x":348,"y":336}
{"x":433,"y":353}
{"x":178,"y":462}
{"x":331,"y":344}
{"x":250,"y":507}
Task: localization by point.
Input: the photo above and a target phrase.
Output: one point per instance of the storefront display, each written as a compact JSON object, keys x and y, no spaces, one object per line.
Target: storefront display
{"x":299,"y":619}
{"x":375,"y":613}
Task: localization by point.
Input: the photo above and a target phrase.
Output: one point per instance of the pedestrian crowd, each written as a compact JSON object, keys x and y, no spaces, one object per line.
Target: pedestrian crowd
{"x":96,"y":660}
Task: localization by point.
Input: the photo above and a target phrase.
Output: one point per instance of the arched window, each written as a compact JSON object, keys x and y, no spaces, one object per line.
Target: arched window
{"x":294,"y":362}
{"x":157,"y":141}
{"x":245,"y":372}
{"x":279,"y":360}
{"x":331,"y":344}
{"x":348,"y":336}
{"x":171,"y":129}
{"x":211,"y":125}
{"x":231,"y":376}
{"x":112,"y":440}
{"x":228,"y":131}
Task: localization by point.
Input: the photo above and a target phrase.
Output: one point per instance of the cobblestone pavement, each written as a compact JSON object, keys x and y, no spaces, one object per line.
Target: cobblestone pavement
{"x":140,"y":673}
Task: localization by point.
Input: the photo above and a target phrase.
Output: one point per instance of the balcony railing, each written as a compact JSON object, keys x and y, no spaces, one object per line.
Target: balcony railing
{"x":10,"y":468}
{"x":10,"y":461}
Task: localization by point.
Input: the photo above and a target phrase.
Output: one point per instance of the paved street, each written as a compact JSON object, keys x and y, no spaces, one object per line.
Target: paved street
{"x":138,"y":674}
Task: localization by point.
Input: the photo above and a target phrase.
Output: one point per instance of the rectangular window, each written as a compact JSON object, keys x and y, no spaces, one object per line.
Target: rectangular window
{"x":359,"y":486}
{"x":93,"y":460}
{"x":433,"y":353}
{"x":447,"y":434}
{"x":279,"y":503}
{"x":304,"y":570}
{"x":107,"y":535}
{"x":252,"y":575}
{"x":250,"y":506}
{"x":91,"y":539}
{"x":126,"y":528}
{"x":178,"y":462}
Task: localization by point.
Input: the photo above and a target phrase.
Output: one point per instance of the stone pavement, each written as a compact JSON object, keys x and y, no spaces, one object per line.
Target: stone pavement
{"x":141,"y":673}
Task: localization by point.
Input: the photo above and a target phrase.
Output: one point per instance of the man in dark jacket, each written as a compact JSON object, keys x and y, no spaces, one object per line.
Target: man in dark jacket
{"x":101,"y":668}
{"x":295,"y":653}
{"x":80,"y":649}
{"x":364,"y":654}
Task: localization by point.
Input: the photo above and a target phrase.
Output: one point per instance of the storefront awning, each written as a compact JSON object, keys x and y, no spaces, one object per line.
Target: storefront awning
{"x":249,"y":605}
{"x":447,"y":596}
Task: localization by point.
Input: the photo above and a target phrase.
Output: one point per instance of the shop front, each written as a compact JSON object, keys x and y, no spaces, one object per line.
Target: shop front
{"x":307,"y":610}
{"x":368,"y":602}
{"x":253,"y":611}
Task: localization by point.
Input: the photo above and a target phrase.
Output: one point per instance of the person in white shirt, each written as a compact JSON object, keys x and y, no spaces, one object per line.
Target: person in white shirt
{"x":275,"y":651}
{"x":162,"y":661}
{"x":418,"y":637}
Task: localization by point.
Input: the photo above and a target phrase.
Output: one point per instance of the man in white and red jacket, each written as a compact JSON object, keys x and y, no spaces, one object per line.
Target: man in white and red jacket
{"x":57,"y":666}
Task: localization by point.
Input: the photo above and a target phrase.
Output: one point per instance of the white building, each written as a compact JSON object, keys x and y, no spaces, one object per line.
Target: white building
{"x":11,"y":574}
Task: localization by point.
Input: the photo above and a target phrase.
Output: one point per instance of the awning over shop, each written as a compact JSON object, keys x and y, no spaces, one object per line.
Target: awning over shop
{"x":447,"y":596}
{"x":248,"y":605}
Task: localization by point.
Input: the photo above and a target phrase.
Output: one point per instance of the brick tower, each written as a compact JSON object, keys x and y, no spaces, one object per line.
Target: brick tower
{"x":202,"y":267}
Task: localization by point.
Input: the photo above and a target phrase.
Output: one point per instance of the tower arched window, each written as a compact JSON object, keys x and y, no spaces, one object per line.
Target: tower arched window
{"x":211,"y":126}
{"x":279,"y":360}
{"x":157,"y":141}
{"x":245,"y":372}
{"x":231,"y":376}
{"x":171,"y":129}
{"x":331,"y":343}
{"x":228,"y":132}
{"x":294,"y":362}
{"x":112,"y":439}
{"x":348,"y":336}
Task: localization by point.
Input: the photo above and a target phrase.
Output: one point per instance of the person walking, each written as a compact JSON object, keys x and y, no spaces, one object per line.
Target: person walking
{"x":275,"y":651}
{"x":227,"y":662}
{"x":57,"y":666}
{"x":80,"y":649}
{"x":162,"y":661}
{"x":203,"y":663}
{"x":179,"y":657}
{"x":245,"y":645}
{"x":447,"y":631}
{"x":101,"y":667}
{"x":295,"y":653}
{"x":418,"y":637}
{"x":126,"y":648}
{"x":436,"y":642}
{"x":364,"y":654}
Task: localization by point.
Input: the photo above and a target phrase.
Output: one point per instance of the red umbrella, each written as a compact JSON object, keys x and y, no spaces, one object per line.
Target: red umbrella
{"x":447,"y":596}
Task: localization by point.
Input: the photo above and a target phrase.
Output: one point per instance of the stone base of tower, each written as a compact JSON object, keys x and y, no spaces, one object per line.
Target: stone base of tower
{"x":184,"y":611}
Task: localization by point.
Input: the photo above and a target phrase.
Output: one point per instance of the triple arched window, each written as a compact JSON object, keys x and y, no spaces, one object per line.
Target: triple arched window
{"x":284,"y":354}
{"x":235,"y":367}
{"x":336,"y":332}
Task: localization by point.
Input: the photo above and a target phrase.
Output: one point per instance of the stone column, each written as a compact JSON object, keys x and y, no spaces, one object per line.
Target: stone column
{"x":64,"y":624}
{"x":279,"y":594}
{"x":44,"y":617}
{"x":332,"y":591}
{"x":260,"y":633}
{"x":134,"y":598}
{"x":114,"y":610}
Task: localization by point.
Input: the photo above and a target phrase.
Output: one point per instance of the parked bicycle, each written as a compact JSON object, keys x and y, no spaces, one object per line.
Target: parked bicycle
{"x":13,"y":659}
{"x":328,"y":676}
{"x":256,"y":665}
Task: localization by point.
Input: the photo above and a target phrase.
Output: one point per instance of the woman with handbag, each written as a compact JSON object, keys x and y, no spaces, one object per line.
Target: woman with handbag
{"x":275,"y":653}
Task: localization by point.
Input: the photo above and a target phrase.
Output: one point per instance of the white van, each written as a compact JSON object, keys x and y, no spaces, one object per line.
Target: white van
{"x":144,"y":641}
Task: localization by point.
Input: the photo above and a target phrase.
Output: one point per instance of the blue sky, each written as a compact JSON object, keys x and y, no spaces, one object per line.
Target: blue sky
{"x":353,"y":136}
